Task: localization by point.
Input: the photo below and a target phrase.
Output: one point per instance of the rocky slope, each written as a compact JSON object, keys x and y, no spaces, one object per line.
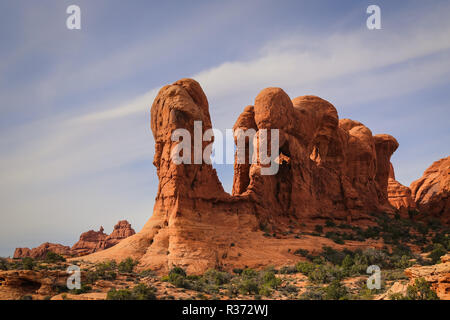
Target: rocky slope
{"x":438,"y":275}
{"x":90,"y":241}
{"x":329,"y":169}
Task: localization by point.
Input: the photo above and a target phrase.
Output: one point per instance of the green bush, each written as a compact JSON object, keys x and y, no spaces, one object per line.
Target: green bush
{"x":177,"y":277}
{"x":127,"y":265}
{"x":28,"y":263}
{"x":104,"y":271}
{"x":84,"y":289}
{"x":318,"y":228}
{"x":248,"y":286}
{"x":335,"y":291}
{"x":4,"y":265}
{"x":438,"y":251}
{"x":237,"y":271}
{"x":215,"y":277}
{"x":421,"y":290}
{"x":302,"y":252}
{"x":52,"y":257}
{"x":139,"y":292}
{"x":147,"y":273}
{"x":330,"y":224}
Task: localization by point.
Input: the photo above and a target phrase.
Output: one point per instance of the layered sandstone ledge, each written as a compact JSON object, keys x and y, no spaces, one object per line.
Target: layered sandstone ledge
{"x":437,"y":275}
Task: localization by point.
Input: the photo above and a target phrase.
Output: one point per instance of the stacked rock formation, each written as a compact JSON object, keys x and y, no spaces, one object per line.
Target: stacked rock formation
{"x":432,"y":192}
{"x":90,"y":241}
{"x":328,"y":169}
{"x":93,"y":241}
{"x":399,"y":195}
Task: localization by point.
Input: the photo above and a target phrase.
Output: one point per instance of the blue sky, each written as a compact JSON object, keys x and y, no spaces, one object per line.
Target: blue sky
{"x":76,"y":148}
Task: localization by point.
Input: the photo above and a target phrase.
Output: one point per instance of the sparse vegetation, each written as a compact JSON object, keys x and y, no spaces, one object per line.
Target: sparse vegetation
{"x":127,"y":265}
{"x":421,"y":290}
{"x":139,"y":292}
{"x":52,"y":257}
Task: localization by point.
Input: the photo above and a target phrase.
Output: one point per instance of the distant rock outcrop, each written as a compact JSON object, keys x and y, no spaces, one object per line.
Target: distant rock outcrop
{"x":41,"y":251}
{"x":90,"y":241}
{"x":432,"y":192}
{"x":93,"y":241}
{"x":328,"y":169}
{"x":399,"y":195}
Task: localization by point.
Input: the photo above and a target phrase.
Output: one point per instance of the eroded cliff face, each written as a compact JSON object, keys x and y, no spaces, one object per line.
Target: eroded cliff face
{"x":432,"y":191}
{"x":328,"y":169}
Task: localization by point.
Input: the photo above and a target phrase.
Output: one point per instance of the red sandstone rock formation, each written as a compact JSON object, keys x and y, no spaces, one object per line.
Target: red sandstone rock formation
{"x":121,"y":231}
{"x":329,"y":169}
{"x":41,"y":251}
{"x":399,"y":196}
{"x":91,"y":241}
{"x":432,"y":192}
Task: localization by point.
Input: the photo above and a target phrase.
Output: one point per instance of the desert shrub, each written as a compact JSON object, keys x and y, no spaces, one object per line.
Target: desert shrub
{"x":103,"y":271}
{"x":404,"y":262}
{"x":248,"y":286}
{"x":26,"y":297}
{"x":332,"y":255}
{"x":304,"y":267}
{"x":28,"y":263}
{"x":139,"y":292}
{"x":147,"y":273}
{"x":394,"y":275}
{"x":237,"y":271}
{"x":254,"y":282}
{"x":320,"y":273}
{"x":438,"y":251}
{"x":288,"y":270}
{"x":330,"y":224}
{"x":4,"y":265}
{"x":318,"y":228}
{"x":335,"y":236}
{"x":347,"y":264}
{"x":421,"y":290}
{"x":178,"y":270}
{"x":312,"y":293}
{"x":127,"y":265}
{"x":84,"y":289}
{"x":215,"y":277}
{"x":52,"y":257}
{"x":335,"y":291}
{"x":177,"y":277}
{"x":397,"y":296}
{"x":302,"y":252}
